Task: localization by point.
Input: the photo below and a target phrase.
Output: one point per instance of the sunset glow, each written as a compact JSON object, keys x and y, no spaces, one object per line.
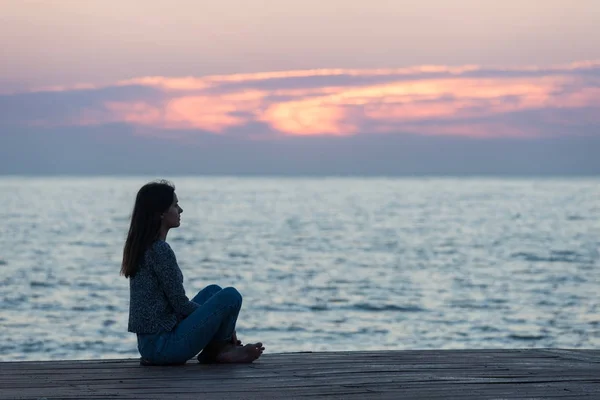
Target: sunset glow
{"x":300,"y":87}
{"x":430,"y":100}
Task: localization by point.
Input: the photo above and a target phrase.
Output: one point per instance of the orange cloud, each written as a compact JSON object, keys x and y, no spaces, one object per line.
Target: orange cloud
{"x":464,"y":100}
{"x":308,"y":118}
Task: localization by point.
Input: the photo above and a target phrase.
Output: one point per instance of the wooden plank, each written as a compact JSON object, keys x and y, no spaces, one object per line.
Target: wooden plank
{"x":464,"y":374}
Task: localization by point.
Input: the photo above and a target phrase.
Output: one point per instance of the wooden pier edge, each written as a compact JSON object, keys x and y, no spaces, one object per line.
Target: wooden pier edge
{"x":402,"y":374}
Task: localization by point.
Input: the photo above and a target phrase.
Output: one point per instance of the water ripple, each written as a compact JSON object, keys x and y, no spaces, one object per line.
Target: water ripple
{"x":323,"y":264}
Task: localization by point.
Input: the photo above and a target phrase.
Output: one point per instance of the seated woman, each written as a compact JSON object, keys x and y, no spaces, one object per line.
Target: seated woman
{"x":170,"y":328}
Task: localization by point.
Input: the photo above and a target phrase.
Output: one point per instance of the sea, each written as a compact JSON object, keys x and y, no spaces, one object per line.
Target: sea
{"x":323,"y":264}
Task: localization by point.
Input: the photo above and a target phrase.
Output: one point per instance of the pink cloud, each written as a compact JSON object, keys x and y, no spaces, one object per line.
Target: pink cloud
{"x":462,"y":101}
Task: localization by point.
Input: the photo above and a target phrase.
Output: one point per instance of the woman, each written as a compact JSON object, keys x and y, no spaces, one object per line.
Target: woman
{"x":170,"y":328}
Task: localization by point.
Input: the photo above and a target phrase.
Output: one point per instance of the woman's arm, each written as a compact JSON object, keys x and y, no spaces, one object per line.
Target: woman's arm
{"x":170,"y":279}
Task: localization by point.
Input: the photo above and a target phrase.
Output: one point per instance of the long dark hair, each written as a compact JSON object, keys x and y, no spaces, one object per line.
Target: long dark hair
{"x":152,"y":200}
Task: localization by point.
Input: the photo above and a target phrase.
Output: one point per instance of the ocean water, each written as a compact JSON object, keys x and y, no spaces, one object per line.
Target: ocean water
{"x":323,"y":264}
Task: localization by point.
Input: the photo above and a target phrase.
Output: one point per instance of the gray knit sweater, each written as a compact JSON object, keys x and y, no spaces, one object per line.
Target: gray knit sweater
{"x":157,"y":300}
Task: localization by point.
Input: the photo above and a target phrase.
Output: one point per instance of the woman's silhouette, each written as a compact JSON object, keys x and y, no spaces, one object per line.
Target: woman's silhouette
{"x":170,"y":328}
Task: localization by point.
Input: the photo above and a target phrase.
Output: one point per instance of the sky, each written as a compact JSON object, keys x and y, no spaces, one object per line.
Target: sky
{"x":300,"y":87}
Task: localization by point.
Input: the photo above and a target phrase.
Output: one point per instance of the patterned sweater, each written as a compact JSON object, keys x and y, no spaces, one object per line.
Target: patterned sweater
{"x":157,"y":300}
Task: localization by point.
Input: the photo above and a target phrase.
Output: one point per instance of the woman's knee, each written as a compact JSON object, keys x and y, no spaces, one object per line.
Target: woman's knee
{"x":213,"y":288}
{"x":231,"y":294}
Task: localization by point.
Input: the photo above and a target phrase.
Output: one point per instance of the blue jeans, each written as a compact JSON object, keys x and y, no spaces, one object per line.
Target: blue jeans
{"x":213,"y":322}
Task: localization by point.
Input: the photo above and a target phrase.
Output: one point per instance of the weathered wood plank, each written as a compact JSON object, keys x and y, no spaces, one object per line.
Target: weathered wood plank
{"x":447,"y":374}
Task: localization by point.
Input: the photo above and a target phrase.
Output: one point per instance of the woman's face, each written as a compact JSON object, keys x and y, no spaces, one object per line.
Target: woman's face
{"x":171,"y":218}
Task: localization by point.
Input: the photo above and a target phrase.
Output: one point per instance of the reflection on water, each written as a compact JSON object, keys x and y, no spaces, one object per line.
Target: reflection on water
{"x":323,"y":264}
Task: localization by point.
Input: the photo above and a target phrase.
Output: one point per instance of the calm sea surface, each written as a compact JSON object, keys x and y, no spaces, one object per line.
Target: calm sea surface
{"x":323,"y":264}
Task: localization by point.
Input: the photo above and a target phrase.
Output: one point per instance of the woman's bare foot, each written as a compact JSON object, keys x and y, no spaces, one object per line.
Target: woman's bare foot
{"x":232,"y":354}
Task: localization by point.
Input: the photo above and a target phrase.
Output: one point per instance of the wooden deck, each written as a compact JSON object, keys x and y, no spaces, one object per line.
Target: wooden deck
{"x":443,"y":374}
